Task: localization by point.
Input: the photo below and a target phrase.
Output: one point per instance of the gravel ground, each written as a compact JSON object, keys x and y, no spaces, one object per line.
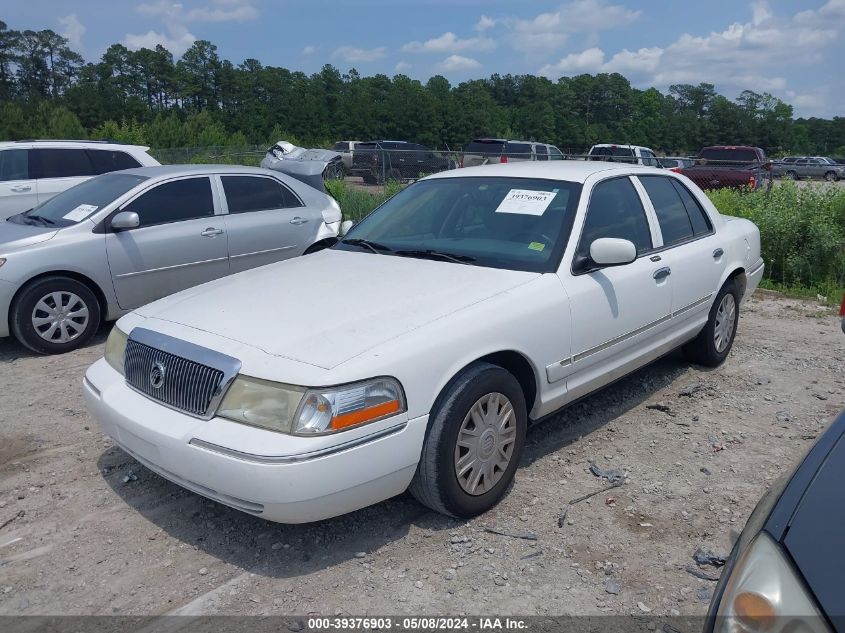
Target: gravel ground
{"x":90,"y":531}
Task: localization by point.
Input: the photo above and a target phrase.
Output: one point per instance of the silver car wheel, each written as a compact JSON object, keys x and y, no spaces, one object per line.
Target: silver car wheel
{"x":60,"y":317}
{"x":485,"y":444}
{"x":725,"y":319}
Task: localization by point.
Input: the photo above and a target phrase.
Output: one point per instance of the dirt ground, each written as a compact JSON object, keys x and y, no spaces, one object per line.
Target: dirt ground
{"x":90,"y":531}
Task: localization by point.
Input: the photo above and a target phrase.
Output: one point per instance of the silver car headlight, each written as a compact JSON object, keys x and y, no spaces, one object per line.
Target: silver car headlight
{"x":763,"y":594}
{"x":116,"y":348}
{"x":301,"y":411}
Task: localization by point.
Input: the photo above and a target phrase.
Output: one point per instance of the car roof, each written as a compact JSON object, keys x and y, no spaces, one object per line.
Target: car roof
{"x":72,"y":143}
{"x":486,"y":139}
{"x":622,"y":145}
{"x":569,"y":170}
{"x":164,"y":171}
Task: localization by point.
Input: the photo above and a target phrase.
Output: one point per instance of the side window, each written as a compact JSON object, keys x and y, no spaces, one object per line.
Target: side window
{"x":542,"y":152}
{"x":62,"y":163}
{"x":174,"y":201}
{"x":615,"y":210}
{"x":256,"y":193}
{"x":697,"y":215}
{"x":671,"y":213}
{"x":649,"y":159}
{"x":13,"y":164}
{"x":340,"y":146}
{"x":555,"y":153}
{"x":104,"y":161}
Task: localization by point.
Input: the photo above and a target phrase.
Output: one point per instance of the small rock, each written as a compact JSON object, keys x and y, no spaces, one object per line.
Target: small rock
{"x":643,"y":608}
{"x":784,"y":416}
{"x":360,"y":554}
{"x":612,"y":586}
{"x":130,"y":477}
{"x":203,"y":571}
{"x":705,"y":470}
{"x":762,"y":380}
{"x":418,"y":584}
{"x":703,"y":594}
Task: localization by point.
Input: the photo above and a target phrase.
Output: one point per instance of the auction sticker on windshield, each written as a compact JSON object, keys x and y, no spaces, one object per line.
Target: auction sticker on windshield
{"x":80,"y":213}
{"x":526,"y":202}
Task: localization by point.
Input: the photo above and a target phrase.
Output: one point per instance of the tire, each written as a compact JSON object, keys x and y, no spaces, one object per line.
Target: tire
{"x":791,"y":175}
{"x":38,"y":301}
{"x":831,"y":176}
{"x":713,"y":344}
{"x":436,"y":483}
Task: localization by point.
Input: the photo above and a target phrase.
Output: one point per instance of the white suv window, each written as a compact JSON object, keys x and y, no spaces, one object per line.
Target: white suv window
{"x":14,"y":164}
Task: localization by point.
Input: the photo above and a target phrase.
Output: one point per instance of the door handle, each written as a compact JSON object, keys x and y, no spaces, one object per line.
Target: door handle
{"x":661,"y":273}
{"x":298,"y":220}
{"x":211,"y":232}
{"x":21,"y":188}
{"x":718,"y":253}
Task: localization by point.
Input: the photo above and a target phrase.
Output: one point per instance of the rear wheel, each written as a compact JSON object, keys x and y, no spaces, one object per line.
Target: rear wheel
{"x":713,"y":344}
{"x":54,"y":315}
{"x":831,"y":176}
{"x":474,"y":443}
{"x":792,"y":175}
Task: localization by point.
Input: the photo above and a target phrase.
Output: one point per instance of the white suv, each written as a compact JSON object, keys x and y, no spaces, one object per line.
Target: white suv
{"x":34,"y":171}
{"x":633,"y":154}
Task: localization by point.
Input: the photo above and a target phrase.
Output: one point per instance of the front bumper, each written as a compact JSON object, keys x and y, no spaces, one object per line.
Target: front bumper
{"x":282,"y":484}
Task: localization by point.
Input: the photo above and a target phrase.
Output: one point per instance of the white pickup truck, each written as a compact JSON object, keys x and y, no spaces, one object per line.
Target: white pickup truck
{"x":416,"y":351}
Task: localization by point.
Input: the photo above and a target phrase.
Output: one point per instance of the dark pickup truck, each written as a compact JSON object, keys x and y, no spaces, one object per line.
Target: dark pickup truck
{"x":729,"y":166}
{"x":380,"y":161}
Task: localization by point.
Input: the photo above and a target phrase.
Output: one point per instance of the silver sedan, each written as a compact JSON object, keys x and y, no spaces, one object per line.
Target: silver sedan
{"x":124,"y":239}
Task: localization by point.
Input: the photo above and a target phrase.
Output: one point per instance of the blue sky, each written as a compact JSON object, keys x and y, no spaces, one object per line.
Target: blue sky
{"x":787,"y":48}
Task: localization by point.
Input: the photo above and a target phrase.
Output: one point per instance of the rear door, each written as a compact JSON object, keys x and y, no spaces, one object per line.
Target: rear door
{"x":181,"y":242}
{"x":57,"y":169}
{"x":18,"y":191}
{"x":542,"y":152}
{"x":691,"y":249}
{"x":266,"y":221}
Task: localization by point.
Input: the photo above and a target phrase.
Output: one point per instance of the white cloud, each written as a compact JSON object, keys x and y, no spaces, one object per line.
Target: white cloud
{"x":549,"y":31}
{"x":309,"y":50}
{"x":175,"y":19}
{"x":73,"y":30}
{"x":484,"y":23}
{"x":455,"y":63}
{"x":402,"y":67}
{"x":589,"y":60}
{"x":644,"y":60}
{"x":450,"y":43}
{"x":358,"y":55}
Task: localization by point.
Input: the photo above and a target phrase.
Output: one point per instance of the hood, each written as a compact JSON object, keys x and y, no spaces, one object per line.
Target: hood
{"x":16,"y":236}
{"x":326,"y":308}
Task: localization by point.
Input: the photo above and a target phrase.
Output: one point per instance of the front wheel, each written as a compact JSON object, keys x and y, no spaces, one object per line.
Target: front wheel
{"x":713,"y":344}
{"x":474,"y":443}
{"x":55,"y":315}
{"x":831,"y":176}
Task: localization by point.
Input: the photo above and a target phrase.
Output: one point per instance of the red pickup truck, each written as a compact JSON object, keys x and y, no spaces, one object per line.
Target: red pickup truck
{"x":734,"y":166}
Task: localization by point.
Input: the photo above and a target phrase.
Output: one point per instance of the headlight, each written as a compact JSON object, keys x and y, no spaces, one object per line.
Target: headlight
{"x":301,"y":411}
{"x":763,"y":594}
{"x":115,"y":348}
{"x":263,"y":403}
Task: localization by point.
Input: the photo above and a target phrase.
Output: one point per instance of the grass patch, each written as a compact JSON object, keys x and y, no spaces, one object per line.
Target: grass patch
{"x":356,"y":203}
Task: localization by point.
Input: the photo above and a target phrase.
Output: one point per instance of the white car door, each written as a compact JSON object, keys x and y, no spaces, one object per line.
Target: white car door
{"x":266,"y":222}
{"x":691,"y":249}
{"x":18,"y":190}
{"x":619,"y":311}
{"x":180,"y":242}
{"x":60,"y":168}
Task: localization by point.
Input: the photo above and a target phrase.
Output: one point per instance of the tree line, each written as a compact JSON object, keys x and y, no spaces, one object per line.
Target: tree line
{"x":199,"y":100}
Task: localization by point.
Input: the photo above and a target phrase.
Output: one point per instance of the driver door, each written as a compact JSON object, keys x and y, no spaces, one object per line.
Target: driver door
{"x":180,"y":243}
{"x":617,"y":312}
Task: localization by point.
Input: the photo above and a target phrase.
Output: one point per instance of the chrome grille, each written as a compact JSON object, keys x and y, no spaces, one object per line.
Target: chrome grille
{"x":172,"y":372}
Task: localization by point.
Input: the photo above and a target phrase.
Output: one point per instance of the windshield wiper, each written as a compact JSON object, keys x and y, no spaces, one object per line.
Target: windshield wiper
{"x":373,"y":246}
{"x":432,"y":254}
{"x":41,"y":220}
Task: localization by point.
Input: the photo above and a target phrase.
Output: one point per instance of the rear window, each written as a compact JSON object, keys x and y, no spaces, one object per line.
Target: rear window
{"x":519,"y":150}
{"x":737,"y":155}
{"x":485,"y":147}
{"x":341,"y":147}
{"x":613,"y":154}
{"x":105,"y":161}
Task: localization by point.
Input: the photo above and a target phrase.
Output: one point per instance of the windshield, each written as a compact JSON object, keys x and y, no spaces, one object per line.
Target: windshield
{"x":514,"y":223}
{"x":77,"y":203}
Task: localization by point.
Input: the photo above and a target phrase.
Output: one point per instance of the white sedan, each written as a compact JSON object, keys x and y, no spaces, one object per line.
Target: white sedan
{"x":414,"y":353}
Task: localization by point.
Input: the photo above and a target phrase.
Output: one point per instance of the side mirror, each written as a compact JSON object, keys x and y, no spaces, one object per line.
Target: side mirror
{"x":345,"y":227}
{"x":125,"y":220}
{"x":611,"y":251}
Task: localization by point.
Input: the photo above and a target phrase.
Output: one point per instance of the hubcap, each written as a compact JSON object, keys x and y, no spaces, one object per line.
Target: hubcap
{"x":60,"y":317}
{"x":485,"y":444}
{"x":725,"y":319}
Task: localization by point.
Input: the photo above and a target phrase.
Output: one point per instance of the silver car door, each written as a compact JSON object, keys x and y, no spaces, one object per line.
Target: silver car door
{"x":266,"y":221}
{"x":180,"y":242}
{"x":18,"y":190}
